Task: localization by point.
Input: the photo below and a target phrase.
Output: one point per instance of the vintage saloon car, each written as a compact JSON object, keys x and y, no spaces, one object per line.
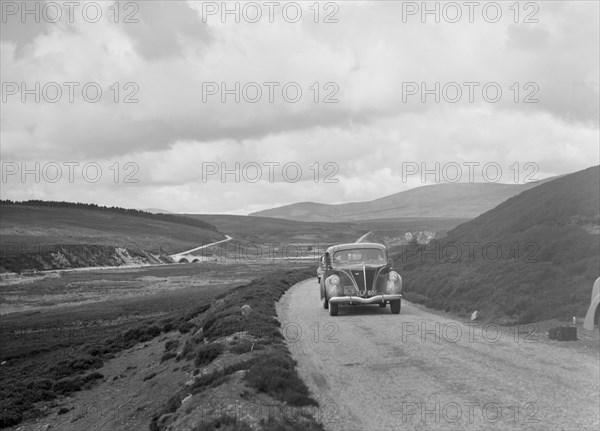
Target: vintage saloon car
{"x":359,"y":273}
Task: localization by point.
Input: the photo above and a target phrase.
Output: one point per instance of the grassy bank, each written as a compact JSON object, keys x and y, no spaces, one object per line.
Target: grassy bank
{"x":245,"y":352}
{"x":532,"y":258}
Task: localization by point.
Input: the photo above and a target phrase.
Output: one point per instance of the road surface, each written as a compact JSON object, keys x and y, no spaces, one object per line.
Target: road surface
{"x":227,"y":238}
{"x":364,"y":236}
{"x":371,"y":370}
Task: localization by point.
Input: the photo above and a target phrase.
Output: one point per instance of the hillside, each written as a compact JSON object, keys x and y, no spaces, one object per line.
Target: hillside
{"x":462,"y":200}
{"x":264,"y":230}
{"x":533,"y":257}
{"x":47,"y":235}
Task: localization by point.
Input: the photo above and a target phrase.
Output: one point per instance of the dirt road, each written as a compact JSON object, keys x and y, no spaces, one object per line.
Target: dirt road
{"x":371,"y":370}
{"x":202,"y":247}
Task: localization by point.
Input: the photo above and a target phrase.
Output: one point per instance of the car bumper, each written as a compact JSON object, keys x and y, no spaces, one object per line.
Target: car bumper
{"x":378,"y":299}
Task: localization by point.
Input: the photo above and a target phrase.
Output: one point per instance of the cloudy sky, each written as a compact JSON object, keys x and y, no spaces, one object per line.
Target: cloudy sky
{"x":272,"y":104}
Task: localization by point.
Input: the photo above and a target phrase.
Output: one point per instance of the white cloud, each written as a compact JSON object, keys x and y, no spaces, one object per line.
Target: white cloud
{"x":369,"y":133}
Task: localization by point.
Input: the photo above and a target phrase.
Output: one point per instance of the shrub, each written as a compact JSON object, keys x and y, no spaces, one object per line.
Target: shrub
{"x":149,"y":376}
{"x":73,"y":366}
{"x":275,"y":374}
{"x":242,"y":346}
{"x":168,"y":355}
{"x":153,"y":331}
{"x":185,"y":327}
{"x":171,"y":345}
{"x":40,"y":384}
{"x":10,"y":416}
{"x":191,"y":346}
{"x":207,"y":353}
{"x":141,"y":334}
{"x":171,"y":406}
{"x":217,"y":377}
{"x":67,"y":385}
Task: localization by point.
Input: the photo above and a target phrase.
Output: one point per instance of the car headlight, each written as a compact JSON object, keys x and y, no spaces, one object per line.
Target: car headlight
{"x":393,"y":277}
{"x":335,"y":280}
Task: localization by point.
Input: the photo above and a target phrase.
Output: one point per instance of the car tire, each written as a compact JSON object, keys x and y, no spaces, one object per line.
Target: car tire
{"x":325,"y":304}
{"x":382,"y":304}
{"x":395,"y":306}
{"x":333,"y":309}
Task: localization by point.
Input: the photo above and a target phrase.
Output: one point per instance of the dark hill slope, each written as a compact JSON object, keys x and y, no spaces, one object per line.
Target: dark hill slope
{"x":49,"y":235}
{"x":462,"y":200}
{"x":533,"y":257}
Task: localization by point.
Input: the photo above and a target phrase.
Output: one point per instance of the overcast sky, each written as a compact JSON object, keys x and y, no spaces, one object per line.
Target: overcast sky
{"x":169,"y":147}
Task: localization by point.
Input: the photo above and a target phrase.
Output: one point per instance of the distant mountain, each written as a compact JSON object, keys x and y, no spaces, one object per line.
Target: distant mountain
{"x":461,"y":200}
{"x":533,"y":257}
{"x":156,"y":211}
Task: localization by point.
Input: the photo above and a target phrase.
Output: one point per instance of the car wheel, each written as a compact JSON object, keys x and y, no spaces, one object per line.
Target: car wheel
{"x":333,"y":309}
{"x":325,"y":304}
{"x":395,"y":306}
{"x":382,"y":304}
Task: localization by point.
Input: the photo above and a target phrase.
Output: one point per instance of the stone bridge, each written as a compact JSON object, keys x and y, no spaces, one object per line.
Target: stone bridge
{"x":188,"y":256}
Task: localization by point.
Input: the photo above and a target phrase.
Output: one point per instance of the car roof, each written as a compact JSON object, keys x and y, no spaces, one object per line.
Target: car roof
{"x":355,"y":245}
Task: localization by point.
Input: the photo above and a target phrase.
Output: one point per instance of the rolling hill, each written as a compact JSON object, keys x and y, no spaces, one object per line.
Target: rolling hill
{"x":461,"y":200}
{"x":533,"y":257}
{"x":264,"y":230}
{"x":47,"y":235}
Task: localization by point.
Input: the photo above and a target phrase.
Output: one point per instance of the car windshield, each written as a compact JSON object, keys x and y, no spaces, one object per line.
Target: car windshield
{"x":358,"y":256}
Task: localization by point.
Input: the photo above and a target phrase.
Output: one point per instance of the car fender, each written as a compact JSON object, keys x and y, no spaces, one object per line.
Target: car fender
{"x":332,"y":290}
{"x":394,"y":287}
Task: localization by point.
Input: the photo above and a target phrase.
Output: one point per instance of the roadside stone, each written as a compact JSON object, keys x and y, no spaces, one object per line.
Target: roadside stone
{"x":246,"y":309}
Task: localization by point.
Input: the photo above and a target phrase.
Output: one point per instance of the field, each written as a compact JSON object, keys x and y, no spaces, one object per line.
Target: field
{"x":70,"y":322}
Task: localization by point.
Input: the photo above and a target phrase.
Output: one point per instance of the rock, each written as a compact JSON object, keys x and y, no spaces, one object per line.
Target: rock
{"x":246,"y":309}
{"x":475,"y":315}
{"x":563,"y":333}
{"x":186,"y":399}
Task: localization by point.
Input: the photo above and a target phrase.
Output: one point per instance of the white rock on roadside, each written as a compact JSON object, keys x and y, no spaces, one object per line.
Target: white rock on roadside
{"x":246,"y":309}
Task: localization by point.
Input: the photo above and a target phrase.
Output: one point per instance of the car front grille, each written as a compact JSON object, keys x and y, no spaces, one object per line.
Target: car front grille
{"x":359,"y":277}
